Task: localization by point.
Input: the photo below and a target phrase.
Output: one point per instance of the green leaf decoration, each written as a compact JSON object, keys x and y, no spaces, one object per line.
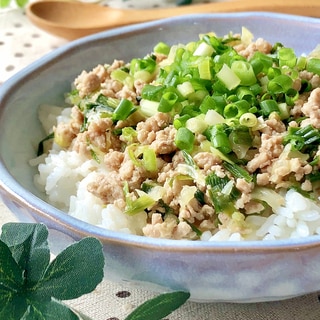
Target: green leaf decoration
{"x":11,"y":275}
{"x":21,"y":3}
{"x":31,"y":287}
{"x":29,"y":283}
{"x":4,"y":3}
{"x":14,"y":308}
{"x":29,"y":246}
{"x":160,"y":306}
{"x":77,"y":270}
{"x":50,"y":310}
{"x":12,"y":305}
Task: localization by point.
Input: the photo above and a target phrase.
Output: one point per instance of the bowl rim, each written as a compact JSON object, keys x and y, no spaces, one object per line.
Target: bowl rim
{"x":13,"y":190}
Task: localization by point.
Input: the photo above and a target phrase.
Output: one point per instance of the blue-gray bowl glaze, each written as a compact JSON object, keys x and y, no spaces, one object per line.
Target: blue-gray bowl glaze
{"x":224,"y":271}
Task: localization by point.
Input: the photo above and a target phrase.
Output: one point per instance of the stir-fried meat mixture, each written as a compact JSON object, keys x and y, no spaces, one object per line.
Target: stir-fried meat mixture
{"x":191,"y":184}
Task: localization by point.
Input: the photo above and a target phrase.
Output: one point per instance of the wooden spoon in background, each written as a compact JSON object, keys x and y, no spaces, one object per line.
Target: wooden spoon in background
{"x":73,"y":19}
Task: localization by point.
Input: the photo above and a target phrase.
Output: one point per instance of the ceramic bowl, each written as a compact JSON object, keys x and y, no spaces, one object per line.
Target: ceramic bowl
{"x":223,"y":271}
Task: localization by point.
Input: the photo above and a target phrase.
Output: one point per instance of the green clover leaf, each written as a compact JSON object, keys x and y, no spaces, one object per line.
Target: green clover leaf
{"x":4,"y":3}
{"x":80,"y":266}
{"x":29,"y":246}
{"x":50,"y":310}
{"x":31,"y":287}
{"x":11,"y":282}
{"x":19,"y":3}
{"x":160,"y":306}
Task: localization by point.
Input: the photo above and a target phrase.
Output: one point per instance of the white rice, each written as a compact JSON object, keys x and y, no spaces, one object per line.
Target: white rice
{"x":64,"y":176}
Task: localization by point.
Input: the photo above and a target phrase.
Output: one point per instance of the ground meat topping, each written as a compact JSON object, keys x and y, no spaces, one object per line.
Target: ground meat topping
{"x":107,"y":188}
{"x":312,"y":109}
{"x":164,"y":141}
{"x":146,"y":131}
{"x":88,"y":82}
{"x":271,"y":148}
{"x":207,"y":161}
{"x":260,"y":45}
{"x":235,"y":146}
{"x":99,"y":136}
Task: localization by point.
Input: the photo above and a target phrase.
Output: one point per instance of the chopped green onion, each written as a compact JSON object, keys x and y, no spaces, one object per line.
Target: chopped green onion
{"x":246,"y":36}
{"x":248,"y":119}
{"x":214,"y":102}
{"x":280,"y":84}
{"x":162,"y":48}
{"x":314,"y":176}
{"x":301,"y":63}
{"x":194,"y":228}
{"x":185,"y":88}
{"x":228,"y":77}
{"x":184,"y":139}
{"x":237,"y":171}
{"x":143,"y":75}
{"x":287,"y":57}
{"x":276,"y":46}
{"x":197,"y":124}
{"x":119,"y":75}
{"x":203,"y":50}
{"x":222,"y":202}
{"x":188,"y":159}
{"x":150,"y":160}
{"x":167,"y":102}
{"x":256,"y":89}
{"x":268,"y":106}
{"x":123,"y":110}
{"x":41,"y":143}
{"x":181,"y":121}
{"x":147,"y":64}
{"x":303,"y":138}
{"x":199,"y":195}
{"x":149,"y":108}
{"x":196,"y":98}
{"x":240,"y":140}
{"x":128,"y":134}
{"x":133,"y":154}
{"x":261,"y":62}
{"x":245,"y":73}
{"x":212,"y":117}
{"x":284,"y":111}
{"x":245,"y":93}
{"x":217,"y":44}
{"x":94,"y":155}
{"x":306,"y":86}
{"x":139,"y":205}
{"x":204,"y":68}
{"x":219,"y":138}
{"x":152,"y":92}
{"x":291,"y":96}
{"x":273,"y":72}
{"x":313,"y":65}
{"x":104,"y":105}
{"x":236,"y":109}
{"x":241,"y":135}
